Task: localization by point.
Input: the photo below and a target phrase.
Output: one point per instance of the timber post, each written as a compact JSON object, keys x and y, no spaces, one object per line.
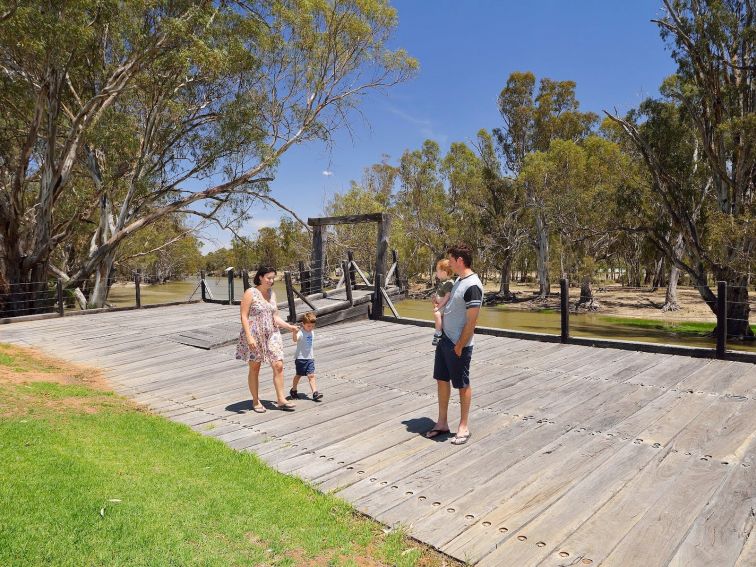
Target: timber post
{"x":381,"y":252}
{"x":348,"y":282}
{"x":304,"y":279}
{"x":397,"y":274}
{"x":377,"y":307}
{"x":59,"y":291}
{"x":317,"y":263}
{"x":290,"y":298}
{"x":721,"y":320}
{"x":352,"y":271}
{"x":137,"y":288}
{"x":564,"y":300}
{"x":230,"y":286}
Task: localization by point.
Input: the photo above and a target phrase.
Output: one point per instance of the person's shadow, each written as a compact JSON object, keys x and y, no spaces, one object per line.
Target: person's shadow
{"x":246,"y":406}
{"x":240,"y":407}
{"x":421,"y":425}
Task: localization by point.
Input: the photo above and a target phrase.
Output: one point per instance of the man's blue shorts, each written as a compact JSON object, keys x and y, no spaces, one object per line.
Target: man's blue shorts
{"x":450,"y":367}
{"x":305,"y":366}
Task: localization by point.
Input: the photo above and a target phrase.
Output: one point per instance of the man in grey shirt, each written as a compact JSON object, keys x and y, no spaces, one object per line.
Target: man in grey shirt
{"x":454,"y":350}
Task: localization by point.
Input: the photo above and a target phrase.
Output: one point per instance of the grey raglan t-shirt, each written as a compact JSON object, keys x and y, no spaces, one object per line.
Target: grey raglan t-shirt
{"x":305,"y":348}
{"x":466,"y":294}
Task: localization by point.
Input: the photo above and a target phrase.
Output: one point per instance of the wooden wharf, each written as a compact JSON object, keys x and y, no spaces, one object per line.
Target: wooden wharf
{"x":578,"y":455}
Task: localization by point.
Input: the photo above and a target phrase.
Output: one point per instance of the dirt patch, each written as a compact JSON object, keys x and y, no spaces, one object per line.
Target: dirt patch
{"x":26,"y":365}
{"x":622,"y":302}
{"x":32,"y":382}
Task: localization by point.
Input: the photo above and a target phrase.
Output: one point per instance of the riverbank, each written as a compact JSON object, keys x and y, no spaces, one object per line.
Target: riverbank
{"x":616,"y":301}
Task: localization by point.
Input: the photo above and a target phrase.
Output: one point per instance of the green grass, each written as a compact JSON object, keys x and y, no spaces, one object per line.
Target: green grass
{"x":88,"y":479}
{"x":684,"y":328}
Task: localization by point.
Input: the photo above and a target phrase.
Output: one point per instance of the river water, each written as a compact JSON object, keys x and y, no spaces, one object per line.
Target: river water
{"x":500,"y":316}
{"x":581,"y":325}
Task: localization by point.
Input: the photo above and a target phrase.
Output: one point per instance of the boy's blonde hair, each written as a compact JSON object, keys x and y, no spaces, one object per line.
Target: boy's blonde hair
{"x":443,"y":265}
{"x":309,"y":317}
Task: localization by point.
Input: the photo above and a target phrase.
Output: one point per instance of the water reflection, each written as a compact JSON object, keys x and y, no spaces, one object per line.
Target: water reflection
{"x":581,"y":325}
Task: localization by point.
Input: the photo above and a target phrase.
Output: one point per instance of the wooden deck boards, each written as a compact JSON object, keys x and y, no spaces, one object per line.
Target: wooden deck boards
{"x":579,"y":456}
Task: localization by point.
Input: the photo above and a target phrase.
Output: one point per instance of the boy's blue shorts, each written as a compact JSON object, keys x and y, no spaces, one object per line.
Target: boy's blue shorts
{"x":448,"y":367}
{"x":305,"y":366}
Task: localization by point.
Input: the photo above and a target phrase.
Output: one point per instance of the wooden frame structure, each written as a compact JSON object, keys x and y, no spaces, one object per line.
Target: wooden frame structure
{"x":317,"y":263}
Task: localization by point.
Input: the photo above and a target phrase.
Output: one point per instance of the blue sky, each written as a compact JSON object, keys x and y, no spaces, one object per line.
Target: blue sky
{"x":466,"y":50}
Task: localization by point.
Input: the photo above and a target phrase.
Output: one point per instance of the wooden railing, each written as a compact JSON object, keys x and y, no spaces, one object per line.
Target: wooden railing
{"x":347,"y":283}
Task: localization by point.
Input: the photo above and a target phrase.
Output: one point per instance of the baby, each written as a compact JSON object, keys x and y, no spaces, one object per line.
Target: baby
{"x":441,"y":296}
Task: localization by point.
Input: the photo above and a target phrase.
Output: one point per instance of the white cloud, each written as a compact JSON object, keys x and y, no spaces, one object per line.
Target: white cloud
{"x":327,"y":173}
{"x":425,"y":126}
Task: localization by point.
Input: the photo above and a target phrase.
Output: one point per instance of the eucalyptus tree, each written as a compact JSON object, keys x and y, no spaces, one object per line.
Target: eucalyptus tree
{"x":462,"y":170}
{"x":578,"y":183}
{"x":713,"y":96}
{"x":123,"y":113}
{"x":500,"y":207}
{"x":421,"y":208}
{"x":531,"y":121}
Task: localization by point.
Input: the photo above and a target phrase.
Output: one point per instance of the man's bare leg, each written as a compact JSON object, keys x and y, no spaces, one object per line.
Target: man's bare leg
{"x":465,"y":400}
{"x":444,"y":393}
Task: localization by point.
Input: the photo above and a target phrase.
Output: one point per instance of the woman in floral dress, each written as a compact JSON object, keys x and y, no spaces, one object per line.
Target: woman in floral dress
{"x":260,"y":339}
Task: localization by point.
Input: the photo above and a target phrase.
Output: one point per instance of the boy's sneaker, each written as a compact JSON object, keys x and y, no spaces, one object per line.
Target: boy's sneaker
{"x":293,"y":395}
{"x":436,"y":338}
{"x":317,"y":396}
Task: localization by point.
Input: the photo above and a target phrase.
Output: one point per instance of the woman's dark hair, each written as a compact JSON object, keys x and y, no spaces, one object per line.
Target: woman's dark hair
{"x":261,"y":271}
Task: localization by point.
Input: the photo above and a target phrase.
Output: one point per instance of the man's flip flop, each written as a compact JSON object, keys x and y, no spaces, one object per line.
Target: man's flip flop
{"x":433,"y":433}
{"x":460,"y":439}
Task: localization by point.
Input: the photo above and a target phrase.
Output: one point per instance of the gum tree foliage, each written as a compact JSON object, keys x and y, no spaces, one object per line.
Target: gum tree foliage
{"x":115,"y":114}
{"x":532,"y":119}
{"x":713,"y":96}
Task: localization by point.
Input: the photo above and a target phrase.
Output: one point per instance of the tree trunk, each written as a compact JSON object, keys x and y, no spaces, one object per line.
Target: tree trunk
{"x":670,"y":299}
{"x":633,"y":274}
{"x":99,"y":294}
{"x":587,"y":302}
{"x":738,"y":309}
{"x":26,"y":288}
{"x":658,"y":280}
{"x":542,"y":252}
{"x":506,"y":275}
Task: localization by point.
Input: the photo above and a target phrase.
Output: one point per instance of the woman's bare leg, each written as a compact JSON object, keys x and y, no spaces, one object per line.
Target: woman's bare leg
{"x":253,"y":380}
{"x":278,"y":381}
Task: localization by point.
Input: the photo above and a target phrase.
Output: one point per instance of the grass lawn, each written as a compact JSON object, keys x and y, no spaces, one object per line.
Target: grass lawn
{"x":683,"y":328}
{"x":87,"y":478}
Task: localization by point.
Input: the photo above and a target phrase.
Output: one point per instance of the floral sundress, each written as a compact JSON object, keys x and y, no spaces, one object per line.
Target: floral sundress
{"x":263,"y":329}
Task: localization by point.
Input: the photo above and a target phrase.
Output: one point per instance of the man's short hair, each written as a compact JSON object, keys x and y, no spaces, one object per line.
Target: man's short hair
{"x":309,"y":317}
{"x":461,"y":250}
